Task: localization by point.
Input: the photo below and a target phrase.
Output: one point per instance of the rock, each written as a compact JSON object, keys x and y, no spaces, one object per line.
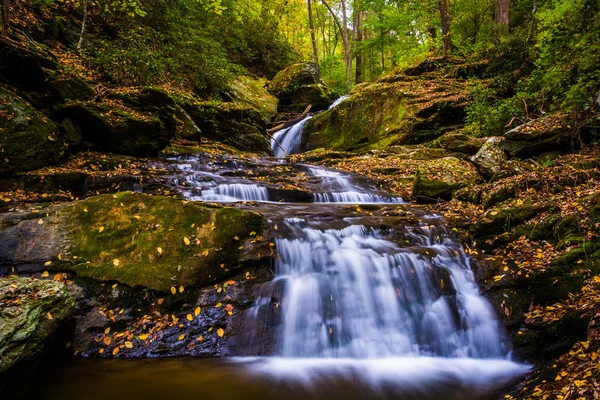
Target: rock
{"x":549,"y":157}
{"x":136,"y":239}
{"x":65,"y":90}
{"x":28,"y":140}
{"x":460,"y":143}
{"x":31,"y":311}
{"x":24,"y":65}
{"x":491,"y":160}
{"x":239,"y":126}
{"x":439,"y":179}
{"x":251,"y":92}
{"x":114,"y":127}
{"x":539,"y":136}
{"x":298,"y":86}
{"x":379,"y":115}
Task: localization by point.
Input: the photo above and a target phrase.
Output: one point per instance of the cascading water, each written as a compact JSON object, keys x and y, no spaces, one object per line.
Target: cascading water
{"x":288,"y":141}
{"x":357,"y":306}
{"x":235,"y":192}
{"x":341,"y":189}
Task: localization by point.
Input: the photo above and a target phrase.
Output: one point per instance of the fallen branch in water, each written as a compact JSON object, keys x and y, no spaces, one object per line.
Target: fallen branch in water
{"x":291,"y":122}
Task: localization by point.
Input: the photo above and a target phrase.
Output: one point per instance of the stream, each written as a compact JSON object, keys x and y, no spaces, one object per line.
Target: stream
{"x":368,"y":309}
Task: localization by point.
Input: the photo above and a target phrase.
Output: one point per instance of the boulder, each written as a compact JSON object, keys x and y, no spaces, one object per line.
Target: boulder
{"x":460,"y":143}
{"x":136,"y":239}
{"x":114,"y":127}
{"x":491,"y":160}
{"x":251,"y":92}
{"x":439,"y":179}
{"x":31,"y":311}
{"x":28,"y":140}
{"x":298,"y":86}
{"x":24,"y":65}
{"x":65,"y":90}
{"x":539,"y":136}
{"x":236,"y":125}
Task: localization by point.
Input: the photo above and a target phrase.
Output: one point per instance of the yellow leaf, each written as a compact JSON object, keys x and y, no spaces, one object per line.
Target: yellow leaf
{"x":220,"y":332}
{"x":136,"y":217}
{"x":159,"y":250}
{"x":186,"y":241}
{"x":101,"y":351}
{"x":236,"y":237}
{"x":189,"y":317}
{"x":100,"y":229}
{"x":173,"y":290}
{"x":181,"y":289}
{"x":116,"y":262}
{"x":107,"y":331}
{"x":41,"y":221}
{"x":48,"y":315}
{"x":181,"y":337}
{"x":205,"y":253}
{"x":45,"y":274}
{"x":144,"y":336}
{"x":85,"y":210}
{"x":197,"y":311}
{"x":47,"y":263}
{"x":115,"y":351}
{"x":200,"y":338}
{"x":129,"y":345}
{"x":218,"y":305}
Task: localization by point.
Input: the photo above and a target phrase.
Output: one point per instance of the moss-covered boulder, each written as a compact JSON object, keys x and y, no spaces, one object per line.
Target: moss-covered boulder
{"x":136,"y":239}
{"x":298,"y":86}
{"x":403,"y":111}
{"x":114,"y":127}
{"x":65,"y":90}
{"x":439,"y":179}
{"x":252,"y":92}
{"x":28,"y":140}
{"x":25,"y":64}
{"x":236,"y":125}
{"x":31,"y":311}
{"x":491,"y":160}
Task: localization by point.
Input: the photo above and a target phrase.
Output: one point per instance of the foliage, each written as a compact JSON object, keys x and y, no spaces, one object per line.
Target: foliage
{"x":488,"y":115}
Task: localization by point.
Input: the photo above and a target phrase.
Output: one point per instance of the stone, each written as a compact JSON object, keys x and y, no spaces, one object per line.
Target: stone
{"x":298,"y":86}
{"x":135,"y":239}
{"x":460,"y":143}
{"x":65,"y":90}
{"x":28,"y":140}
{"x":491,"y":160}
{"x":31,"y":311}
{"x":539,"y":136}
{"x":439,"y":179}
{"x":24,"y":65}
{"x":248,"y":91}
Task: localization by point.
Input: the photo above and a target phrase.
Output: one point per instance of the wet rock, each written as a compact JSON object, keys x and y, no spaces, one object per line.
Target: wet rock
{"x":460,"y":143}
{"x":491,"y":160}
{"x":31,"y":311}
{"x":28,"y":140}
{"x":136,"y":239}
{"x":439,"y":179}
{"x":24,"y":65}
{"x":239,"y":126}
{"x":298,"y":86}
{"x":251,"y":92}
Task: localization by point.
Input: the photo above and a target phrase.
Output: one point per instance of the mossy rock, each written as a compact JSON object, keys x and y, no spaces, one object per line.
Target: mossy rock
{"x":439,"y":179}
{"x":298,"y":86}
{"x":114,"y":127}
{"x":460,"y":143}
{"x":28,"y":140}
{"x":251,"y":92}
{"x":31,"y":311}
{"x":25,"y":64}
{"x":65,"y":90}
{"x":503,"y":217}
{"x":236,"y":125}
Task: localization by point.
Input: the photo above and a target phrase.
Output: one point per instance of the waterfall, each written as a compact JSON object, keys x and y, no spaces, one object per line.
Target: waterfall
{"x":235,"y":192}
{"x":342,"y":189}
{"x":290,"y":139}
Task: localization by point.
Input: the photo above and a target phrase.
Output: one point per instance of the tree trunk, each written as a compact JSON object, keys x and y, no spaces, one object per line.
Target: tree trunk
{"x":359,"y":52}
{"x":5,"y":16}
{"x":313,"y":38}
{"x":83,"y":23}
{"x":445,"y":24}
{"x":502,"y":15}
{"x":343,"y":28}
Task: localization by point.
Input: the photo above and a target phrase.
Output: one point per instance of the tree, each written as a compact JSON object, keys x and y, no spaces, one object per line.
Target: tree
{"x":343,"y":28}
{"x":445,"y":24}
{"x":5,"y":16}
{"x":501,"y":14}
{"x":312,"y":32}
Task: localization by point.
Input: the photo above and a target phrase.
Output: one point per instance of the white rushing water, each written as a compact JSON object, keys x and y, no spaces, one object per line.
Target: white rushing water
{"x":356,"y":304}
{"x":235,"y":192}
{"x":342,"y":189}
{"x":290,"y":139}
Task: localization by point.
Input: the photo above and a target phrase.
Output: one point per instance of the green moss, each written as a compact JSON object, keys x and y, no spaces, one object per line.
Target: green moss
{"x":131,"y":227}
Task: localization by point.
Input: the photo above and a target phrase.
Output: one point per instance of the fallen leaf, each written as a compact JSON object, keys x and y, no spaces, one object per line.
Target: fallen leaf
{"x":181,"y":337}
{"x":220,"y":332}
{"x":190,"y":317}
{"x":159,"y":251}
{"x":186,"y":241}
{"x":197,"y":311}
{"x":173,"y":290}
{"x":48,"y":315}
{"x":100,"y":229}
{"x":115,"y":351}
{"x":116,"y":262}
{"x":129,"y":345}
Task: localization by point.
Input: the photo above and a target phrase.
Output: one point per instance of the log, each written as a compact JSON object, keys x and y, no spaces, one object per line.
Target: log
{"x":290,"y":122}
